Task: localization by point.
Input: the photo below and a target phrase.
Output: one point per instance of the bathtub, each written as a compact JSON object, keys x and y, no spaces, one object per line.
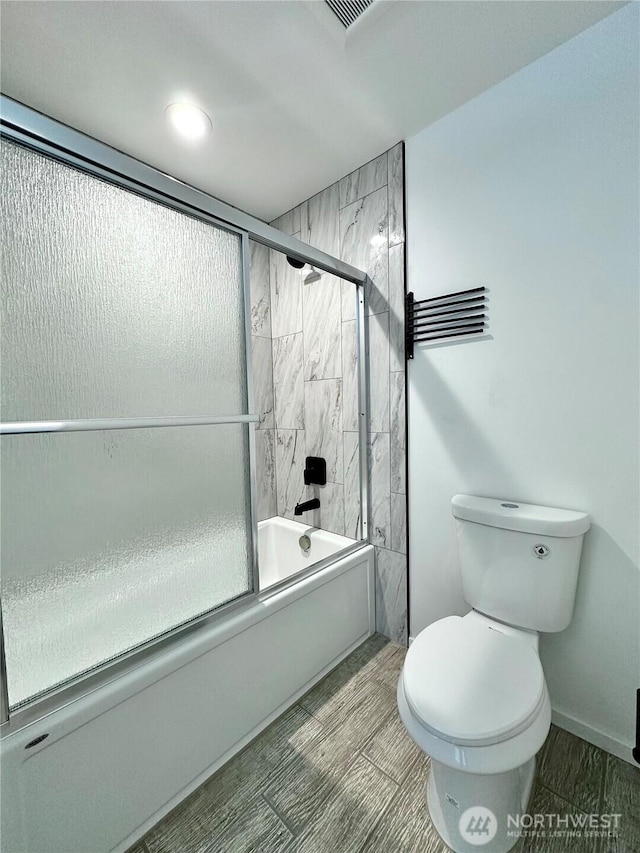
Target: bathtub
{"x":280,"y":555}
{"x":117,"y":759}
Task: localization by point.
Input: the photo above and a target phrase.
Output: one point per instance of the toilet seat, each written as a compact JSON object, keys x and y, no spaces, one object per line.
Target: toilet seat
{"x":494,"y":758}
{"x":471,"y":685}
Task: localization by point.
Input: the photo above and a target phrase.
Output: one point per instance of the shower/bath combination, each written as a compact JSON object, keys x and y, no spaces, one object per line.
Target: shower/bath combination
{"x":149,"y":577}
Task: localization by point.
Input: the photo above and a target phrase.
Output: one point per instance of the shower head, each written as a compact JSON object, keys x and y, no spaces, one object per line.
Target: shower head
{"x":311,"y":276}
{"x":314,"y":275}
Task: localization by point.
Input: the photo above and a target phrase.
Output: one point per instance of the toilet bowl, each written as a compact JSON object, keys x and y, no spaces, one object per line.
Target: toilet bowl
{"x":472,"y":692}
{"x":472,"y":695}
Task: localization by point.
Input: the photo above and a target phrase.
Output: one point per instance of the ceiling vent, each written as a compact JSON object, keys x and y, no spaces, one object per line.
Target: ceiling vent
{"x":348,"y":11}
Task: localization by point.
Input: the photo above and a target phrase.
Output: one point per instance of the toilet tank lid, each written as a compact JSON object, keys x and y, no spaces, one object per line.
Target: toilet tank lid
{"x":526,"y":518}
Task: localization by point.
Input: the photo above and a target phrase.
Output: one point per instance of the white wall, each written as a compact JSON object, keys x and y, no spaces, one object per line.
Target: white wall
{"x":531,"y":189}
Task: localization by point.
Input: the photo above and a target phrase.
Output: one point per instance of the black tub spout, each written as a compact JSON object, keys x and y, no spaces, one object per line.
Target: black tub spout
{"x":314,"y":503}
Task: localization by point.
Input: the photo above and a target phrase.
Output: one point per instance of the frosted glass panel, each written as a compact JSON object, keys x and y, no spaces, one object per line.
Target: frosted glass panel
{"x":113,"y":305}
{"x":111,"y":538}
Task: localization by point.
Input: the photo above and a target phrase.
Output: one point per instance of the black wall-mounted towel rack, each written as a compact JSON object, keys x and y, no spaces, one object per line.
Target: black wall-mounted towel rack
{"x":453,"y":315}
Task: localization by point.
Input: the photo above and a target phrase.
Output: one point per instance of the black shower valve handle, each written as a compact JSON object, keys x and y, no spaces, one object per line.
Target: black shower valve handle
{"x":315,"y":471}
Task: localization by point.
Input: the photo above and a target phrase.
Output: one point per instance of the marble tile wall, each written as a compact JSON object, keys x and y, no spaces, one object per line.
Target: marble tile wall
{"x":262,"y":363}
{"x":308,"y":395}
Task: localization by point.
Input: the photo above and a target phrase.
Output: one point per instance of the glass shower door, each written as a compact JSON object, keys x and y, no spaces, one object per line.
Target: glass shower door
{"x":124,"y":322}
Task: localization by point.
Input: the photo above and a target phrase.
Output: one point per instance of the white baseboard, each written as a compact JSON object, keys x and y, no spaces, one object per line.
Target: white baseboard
{"x":594,"y":736}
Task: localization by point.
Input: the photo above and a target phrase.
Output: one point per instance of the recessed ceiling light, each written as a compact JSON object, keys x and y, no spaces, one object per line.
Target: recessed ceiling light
{"x":189,"y":121}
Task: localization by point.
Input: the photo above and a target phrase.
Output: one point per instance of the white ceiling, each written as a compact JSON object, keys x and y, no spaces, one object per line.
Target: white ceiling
{"x":297,"y":102}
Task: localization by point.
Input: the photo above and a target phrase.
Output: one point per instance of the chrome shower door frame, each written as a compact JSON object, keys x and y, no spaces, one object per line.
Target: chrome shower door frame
{"x":26,"y":127}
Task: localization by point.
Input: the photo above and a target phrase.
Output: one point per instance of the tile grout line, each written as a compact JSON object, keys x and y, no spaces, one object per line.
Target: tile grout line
{"x":332,"y":728}
{"x":384,"y":772}
{"x":331,"y":789}
{"x":564,"y":799}
{"x":276,"y":812}
{"x":387,"y":808}
{"x":603,"y":782}
{"x":366,"y":195}
{"x":279,"y":337}
{"x":393,"y":550}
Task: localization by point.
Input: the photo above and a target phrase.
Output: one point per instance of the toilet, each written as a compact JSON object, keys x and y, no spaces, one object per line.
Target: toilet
{"x":472,"y":692}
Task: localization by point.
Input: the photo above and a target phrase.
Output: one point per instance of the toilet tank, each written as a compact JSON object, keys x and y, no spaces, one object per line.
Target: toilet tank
{"x":519,"y":562}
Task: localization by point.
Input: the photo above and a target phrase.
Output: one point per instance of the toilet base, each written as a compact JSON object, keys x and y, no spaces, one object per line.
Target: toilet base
{"x":451,"y":792}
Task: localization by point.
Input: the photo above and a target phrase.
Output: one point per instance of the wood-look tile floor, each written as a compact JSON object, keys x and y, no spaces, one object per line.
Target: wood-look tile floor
{"x":338,"y":774}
